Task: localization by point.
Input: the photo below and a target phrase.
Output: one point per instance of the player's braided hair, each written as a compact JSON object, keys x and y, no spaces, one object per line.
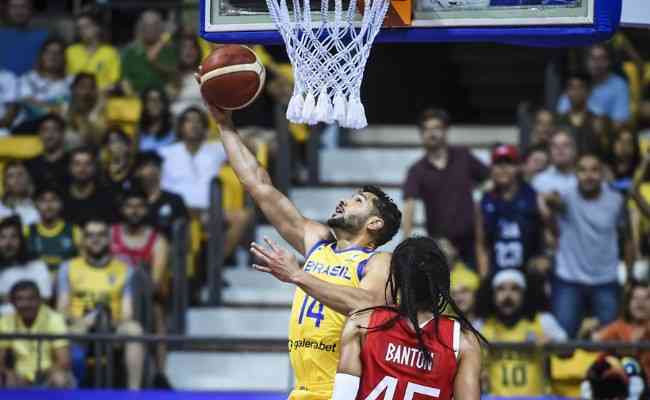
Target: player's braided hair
{"x":420,"y":280}
{"x":387,"y":210}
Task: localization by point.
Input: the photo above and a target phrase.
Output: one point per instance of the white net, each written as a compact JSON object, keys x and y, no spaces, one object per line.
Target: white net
{"x":329,"y":56}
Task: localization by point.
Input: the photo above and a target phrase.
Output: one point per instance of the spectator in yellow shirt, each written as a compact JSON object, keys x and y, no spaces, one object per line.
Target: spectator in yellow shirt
{"x":91,"y":55}
{"x":47,"y":363}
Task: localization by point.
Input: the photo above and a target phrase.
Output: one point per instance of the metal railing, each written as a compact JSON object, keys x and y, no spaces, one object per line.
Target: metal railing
{"x":105,"y":343}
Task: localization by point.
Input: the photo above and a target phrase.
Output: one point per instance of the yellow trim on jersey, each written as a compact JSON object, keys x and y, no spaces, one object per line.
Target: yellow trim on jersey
{"x":314,"y":329}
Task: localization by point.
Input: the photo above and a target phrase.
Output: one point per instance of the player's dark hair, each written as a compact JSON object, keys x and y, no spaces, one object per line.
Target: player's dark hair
{"x":434,"y":113}
{"x":386,"y":210}
{"x":420,"y":279}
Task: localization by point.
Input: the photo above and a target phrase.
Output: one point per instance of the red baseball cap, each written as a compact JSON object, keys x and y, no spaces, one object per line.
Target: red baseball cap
{"x":505,"y":152}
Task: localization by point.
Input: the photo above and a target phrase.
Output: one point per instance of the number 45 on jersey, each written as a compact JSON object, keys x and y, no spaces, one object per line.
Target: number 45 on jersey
{"x":389,"y":384}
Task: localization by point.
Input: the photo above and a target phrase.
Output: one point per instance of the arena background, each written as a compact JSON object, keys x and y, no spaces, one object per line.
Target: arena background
{"x":227,"y":333}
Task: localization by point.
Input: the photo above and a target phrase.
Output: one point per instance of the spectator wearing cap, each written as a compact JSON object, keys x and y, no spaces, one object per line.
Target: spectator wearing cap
{"x":17,"y":264}
{"x":18,"y":189}
{"x":85,"y":198}
{"x":50,"y":167}
{"x":20,"y":40}
{"x":52,"y":239}
{"x":509,"y":228}
{"x":45,"y":363}
{"x":510,"y":308}
{"x":590,"y":131}
{"x":165,"y":208}
{"x":610,"y":94}
{"x":444,"y":180}
{"x":590,"y":218}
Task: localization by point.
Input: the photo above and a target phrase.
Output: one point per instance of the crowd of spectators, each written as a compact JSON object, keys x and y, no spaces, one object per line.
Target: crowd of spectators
{"x":557,"y":246}
{"x":125,"y":149}
{"x":548,"y":243}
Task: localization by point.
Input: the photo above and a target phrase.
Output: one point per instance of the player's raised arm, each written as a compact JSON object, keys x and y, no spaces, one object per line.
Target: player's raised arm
{"x":466,"y":383}
{"x":299,"y":231}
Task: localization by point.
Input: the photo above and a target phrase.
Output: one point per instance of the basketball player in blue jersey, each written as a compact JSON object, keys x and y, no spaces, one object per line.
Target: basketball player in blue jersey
{"x":342,"y":271}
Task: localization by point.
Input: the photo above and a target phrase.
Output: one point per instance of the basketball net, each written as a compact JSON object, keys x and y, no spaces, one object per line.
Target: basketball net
{"x":328,"y":57}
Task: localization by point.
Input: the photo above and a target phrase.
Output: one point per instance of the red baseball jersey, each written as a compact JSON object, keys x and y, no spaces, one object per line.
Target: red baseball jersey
{"x":395,"y":369}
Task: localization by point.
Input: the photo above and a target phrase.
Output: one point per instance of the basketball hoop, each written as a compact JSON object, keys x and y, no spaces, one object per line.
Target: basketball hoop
{"x":328,"y":57}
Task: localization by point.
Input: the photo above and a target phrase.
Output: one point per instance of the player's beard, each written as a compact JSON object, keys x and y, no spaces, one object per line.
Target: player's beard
{"x":345,"y":223}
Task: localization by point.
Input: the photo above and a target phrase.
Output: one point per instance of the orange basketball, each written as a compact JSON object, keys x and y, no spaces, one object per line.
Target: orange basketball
{"x":231,"y":77}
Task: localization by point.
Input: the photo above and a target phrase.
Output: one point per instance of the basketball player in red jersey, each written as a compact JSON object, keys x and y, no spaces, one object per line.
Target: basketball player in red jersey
{"x":411,"y":350}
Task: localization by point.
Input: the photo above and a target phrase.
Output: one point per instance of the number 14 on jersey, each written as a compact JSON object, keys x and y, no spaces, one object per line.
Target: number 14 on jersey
{"x":312,"y":309}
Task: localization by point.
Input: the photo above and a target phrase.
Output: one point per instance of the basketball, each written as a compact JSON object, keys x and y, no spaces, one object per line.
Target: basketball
{"x":231,"y":77}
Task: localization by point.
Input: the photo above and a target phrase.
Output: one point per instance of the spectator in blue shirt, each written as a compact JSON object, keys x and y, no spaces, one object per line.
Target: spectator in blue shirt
{"x":20,"y":42}
{"x":509,"y":232}
{"x":610,"y":94}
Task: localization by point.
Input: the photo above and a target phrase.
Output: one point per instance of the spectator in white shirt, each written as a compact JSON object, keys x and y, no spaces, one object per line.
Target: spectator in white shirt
{"x":8,"y":98}
{"x":46,"y":88}
{"x":18,"y":189}
{"x":16,"y":264}
{"x":191,"y":164}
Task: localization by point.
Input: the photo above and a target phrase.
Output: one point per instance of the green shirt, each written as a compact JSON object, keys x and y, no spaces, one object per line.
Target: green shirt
{"x":137,"y":69}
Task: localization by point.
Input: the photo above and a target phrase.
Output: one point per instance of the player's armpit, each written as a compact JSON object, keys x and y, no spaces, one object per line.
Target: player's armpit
{"x":467,"y":382}
{"x":377,"y":271}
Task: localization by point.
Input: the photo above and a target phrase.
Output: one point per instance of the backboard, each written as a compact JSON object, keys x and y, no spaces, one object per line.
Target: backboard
{"x":556,"y":23}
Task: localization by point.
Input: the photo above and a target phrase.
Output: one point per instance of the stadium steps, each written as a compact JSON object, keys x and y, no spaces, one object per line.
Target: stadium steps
{"x":257,"y":306}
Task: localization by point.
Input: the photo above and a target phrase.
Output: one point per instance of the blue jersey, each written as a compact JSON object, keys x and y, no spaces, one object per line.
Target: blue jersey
{"x":513,"y":228}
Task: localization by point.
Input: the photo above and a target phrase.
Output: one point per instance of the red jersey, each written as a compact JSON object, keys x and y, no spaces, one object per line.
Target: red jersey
{"x":394,"y":368}
{"x":136,"y":256}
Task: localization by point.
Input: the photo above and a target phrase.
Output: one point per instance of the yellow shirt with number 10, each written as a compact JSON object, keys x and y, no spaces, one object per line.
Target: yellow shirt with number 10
{"x":314,"y":329}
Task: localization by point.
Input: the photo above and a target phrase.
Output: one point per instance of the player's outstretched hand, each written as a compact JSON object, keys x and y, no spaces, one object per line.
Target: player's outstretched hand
{"x":275,"y":260}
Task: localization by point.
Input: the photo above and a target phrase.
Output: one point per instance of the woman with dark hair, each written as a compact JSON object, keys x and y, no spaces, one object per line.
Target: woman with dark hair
{"x":411,"y":347}
{"x":155,"y":126}
{"x":118,"y":157}
{"x":634,"y":323}
{"x":183,"y":90}
{"x":46,"y":88}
